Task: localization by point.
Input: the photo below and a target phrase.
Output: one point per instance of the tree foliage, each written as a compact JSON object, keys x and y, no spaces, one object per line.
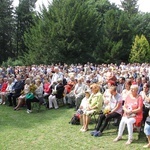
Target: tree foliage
{"x":140,"y":51}
{"x":73,"y":31}
{"x":24,"y":20}
{"x":6,"y":30}
{"x":130,"y":6}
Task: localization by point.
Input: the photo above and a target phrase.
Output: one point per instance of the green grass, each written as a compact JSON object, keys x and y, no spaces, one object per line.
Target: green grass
{"x":50,"y":130}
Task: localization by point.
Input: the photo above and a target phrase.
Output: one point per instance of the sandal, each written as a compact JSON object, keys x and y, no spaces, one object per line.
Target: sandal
{"x":82,"y":128}
{"x":129,"y":142}
{"x":146,"y":146}
{"x":117,"y":138}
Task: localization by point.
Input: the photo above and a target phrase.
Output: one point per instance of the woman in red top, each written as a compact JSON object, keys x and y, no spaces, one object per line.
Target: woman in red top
{"x":46,"y":87}
{"x":3,"y":90}
{"x":133,"y":114}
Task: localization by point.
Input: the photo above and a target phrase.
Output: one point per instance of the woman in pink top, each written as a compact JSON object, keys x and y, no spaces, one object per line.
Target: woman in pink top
{"x":46,"y":87}
{"x":133,"y":114}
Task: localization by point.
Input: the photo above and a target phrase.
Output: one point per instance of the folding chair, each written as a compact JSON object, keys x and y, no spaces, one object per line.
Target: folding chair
{"x":96,"y":115}
{"x":137,"y":127}
{"x":115,"y":122}
{"x":60,"y":101}
{"x":36,"y":105}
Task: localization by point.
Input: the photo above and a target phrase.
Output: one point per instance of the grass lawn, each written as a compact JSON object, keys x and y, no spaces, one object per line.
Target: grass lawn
{"x":50,"y":130}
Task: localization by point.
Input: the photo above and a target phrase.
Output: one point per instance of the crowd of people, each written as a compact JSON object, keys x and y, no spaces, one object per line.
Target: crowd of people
{"x":119,"y":91}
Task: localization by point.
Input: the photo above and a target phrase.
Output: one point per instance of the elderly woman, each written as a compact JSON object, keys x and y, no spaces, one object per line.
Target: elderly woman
{"x":112,"y":110}
{"x":94,"y":105}
{"x":3,"y":91}
{"x":133,"y":114}
{"x":21,"y":98}
{"x":8,"y":89}
{"x":37,"y":89}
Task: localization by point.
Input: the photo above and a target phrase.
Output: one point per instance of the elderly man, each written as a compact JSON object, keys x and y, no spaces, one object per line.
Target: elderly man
{"x":57,"y":75}
{"x":17,"y":88}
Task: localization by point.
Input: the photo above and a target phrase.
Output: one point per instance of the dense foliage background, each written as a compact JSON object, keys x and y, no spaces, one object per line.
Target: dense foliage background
{"x":73,"y":31}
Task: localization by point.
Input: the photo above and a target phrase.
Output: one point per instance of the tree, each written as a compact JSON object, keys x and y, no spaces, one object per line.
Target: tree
{"x":130,"y":6}
{"x":142,"y":25}
{"x":6,"y":30}
{"x":140,"y":51}
{"x":68,"y":29}
{"x":24,"y":20}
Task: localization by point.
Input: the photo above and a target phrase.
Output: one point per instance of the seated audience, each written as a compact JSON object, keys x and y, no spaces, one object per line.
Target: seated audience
{"x":21,"y":98}
{"x":113,"y":110}
{"x":126,"y":91}
{"x":69,"y":91}
{"x":8,"y":89}
{"x":121,"y":85}
{"x":133,"y":114}
{"x":84,"y":104}
{"x":3,"y":90}
{"x":94,"y":105}
{"x":57,"y":93}
{"x":16,"y":91}
{"x":78,"y":93}
{"x":37,"y":89}
{"x":46,"y":87}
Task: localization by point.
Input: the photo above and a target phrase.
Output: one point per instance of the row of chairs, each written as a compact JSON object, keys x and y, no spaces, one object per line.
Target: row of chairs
{"x":37,"y":105}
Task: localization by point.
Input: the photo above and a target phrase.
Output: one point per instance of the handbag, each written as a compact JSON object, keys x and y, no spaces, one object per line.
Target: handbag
{"x":147,"y":105}
{"x":29,"y":96}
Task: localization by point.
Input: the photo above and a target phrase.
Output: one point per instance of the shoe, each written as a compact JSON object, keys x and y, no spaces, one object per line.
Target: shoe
{"x":4,"y":103}
{"x":117,"y":138}
{"x":97,"y":134}
{"x":146,"y":146}
{"x":93,"y":132}
{"x":129,"y":142}
{"x":29,"y":111}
